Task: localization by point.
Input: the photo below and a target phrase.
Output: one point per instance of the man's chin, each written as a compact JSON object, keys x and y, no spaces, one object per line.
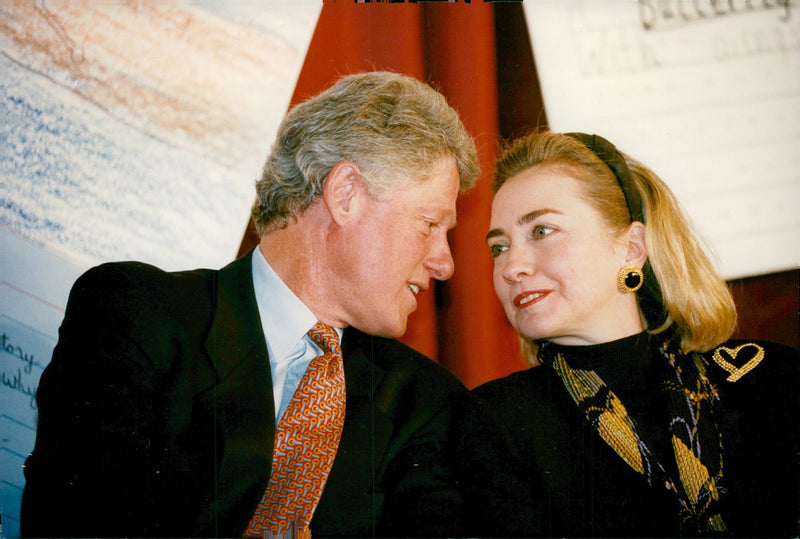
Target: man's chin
{"x":389,"y":331}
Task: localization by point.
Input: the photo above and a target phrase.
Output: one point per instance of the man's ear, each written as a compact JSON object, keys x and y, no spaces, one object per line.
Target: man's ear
{"x":342,"y":191}
{"x":637,"y":246}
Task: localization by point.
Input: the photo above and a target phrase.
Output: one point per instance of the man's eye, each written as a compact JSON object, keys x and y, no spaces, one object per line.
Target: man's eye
{"x":497,"y":249}
{"x":428,"y":226}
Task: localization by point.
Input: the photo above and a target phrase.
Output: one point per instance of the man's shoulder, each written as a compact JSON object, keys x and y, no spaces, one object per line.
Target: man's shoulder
{"x":130,"y":273}
{"x":399,"y":360}
{"x":116,"y":291}
{"x":138,"y":281}
{"x":523,"y":384}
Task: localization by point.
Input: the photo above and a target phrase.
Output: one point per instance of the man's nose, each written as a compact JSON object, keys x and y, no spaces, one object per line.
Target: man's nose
{"x":440,"y":262}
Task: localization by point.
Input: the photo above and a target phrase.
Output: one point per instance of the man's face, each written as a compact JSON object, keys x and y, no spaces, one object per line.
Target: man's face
{"x":400,"y":243}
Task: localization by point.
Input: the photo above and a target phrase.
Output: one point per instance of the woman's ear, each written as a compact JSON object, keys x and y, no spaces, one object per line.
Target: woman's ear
{"x":341,"y":191}
{"x":637,"y":245}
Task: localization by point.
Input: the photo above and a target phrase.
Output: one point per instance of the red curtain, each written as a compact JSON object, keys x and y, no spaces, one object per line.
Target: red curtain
{"x":476,"y":342}
{"x":452,"y":46}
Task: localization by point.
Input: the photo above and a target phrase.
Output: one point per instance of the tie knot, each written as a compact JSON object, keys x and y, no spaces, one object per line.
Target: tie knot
{"x":325,"y":337}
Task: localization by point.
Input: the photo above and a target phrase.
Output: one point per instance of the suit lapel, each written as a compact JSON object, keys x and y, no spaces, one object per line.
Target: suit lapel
{"x":351,"y":499}
{"x":236,"y":328}
{"x":244,"y":412}
{"x":241,"y":403}
{"x":362,"y":375}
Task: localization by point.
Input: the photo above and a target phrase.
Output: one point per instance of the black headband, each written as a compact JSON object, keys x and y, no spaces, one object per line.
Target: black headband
{"x":609,"y":154}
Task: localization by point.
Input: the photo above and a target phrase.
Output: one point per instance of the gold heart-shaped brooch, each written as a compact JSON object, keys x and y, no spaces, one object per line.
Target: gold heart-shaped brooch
{"x":732,"y":353}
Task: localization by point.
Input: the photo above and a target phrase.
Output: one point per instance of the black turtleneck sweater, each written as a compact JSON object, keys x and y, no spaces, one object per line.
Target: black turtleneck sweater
{"x":581,"y":487}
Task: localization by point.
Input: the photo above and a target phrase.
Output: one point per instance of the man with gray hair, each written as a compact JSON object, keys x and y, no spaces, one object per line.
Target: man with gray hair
{"x":270,"y":398}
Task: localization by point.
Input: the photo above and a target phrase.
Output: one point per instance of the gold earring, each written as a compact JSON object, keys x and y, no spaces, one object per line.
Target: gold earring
{"x":630,"y":279}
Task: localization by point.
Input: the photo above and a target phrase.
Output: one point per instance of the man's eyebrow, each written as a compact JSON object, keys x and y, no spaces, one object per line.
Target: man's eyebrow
{"x":524,"y":220}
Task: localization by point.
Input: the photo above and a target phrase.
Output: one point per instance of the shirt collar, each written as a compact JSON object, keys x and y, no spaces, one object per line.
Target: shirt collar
{"x":284,"y":318}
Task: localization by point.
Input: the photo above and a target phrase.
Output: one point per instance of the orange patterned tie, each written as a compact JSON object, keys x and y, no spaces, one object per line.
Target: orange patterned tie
{"x":305,"y":444}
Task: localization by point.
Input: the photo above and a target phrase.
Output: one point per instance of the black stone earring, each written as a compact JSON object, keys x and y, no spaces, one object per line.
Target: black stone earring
{"x":630,"y":279}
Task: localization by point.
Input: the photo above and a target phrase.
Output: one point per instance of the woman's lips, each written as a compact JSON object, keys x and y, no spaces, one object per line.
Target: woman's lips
{"x":528,"y":298}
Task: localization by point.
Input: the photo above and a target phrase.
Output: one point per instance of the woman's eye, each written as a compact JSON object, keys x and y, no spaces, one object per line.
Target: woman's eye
{"x":497,"y":249}
{"x":540,"y":231}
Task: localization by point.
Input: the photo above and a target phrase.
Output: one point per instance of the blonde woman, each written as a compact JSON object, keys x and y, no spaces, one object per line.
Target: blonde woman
{"x":639,"y":417}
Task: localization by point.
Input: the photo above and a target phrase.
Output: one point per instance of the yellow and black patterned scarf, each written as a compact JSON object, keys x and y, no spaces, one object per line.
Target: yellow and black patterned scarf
{"x":690,"y":400}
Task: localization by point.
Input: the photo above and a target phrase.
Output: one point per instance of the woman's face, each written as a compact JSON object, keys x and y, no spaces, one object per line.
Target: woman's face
{"x":556,"y":262}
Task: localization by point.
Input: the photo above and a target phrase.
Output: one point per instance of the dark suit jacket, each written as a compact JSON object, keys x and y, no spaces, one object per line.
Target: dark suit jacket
{"x":579,"y":487}
{"x":156,"y":418}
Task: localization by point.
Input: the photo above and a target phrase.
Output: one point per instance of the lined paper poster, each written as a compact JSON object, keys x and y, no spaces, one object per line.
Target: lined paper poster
{"x":707,"y":94}
{"x":31,"y":310}
{"x":128,"y":130}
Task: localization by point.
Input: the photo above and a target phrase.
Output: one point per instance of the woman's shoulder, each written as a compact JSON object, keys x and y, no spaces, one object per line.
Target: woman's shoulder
{"x":757,"y":382}
{"x":748,"y":362}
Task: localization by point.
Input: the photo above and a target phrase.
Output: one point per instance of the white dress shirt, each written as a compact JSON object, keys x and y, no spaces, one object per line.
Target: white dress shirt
{"x":285,"y":321}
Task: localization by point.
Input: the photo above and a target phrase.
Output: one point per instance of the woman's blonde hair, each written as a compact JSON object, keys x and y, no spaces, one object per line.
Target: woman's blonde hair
{"x":682,"y":289}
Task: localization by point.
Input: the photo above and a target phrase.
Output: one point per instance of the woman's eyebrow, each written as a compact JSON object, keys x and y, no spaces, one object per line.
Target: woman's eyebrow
{"x":494,"y":233}
{"x":535,"y":214}
{"x":523,"y":220}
